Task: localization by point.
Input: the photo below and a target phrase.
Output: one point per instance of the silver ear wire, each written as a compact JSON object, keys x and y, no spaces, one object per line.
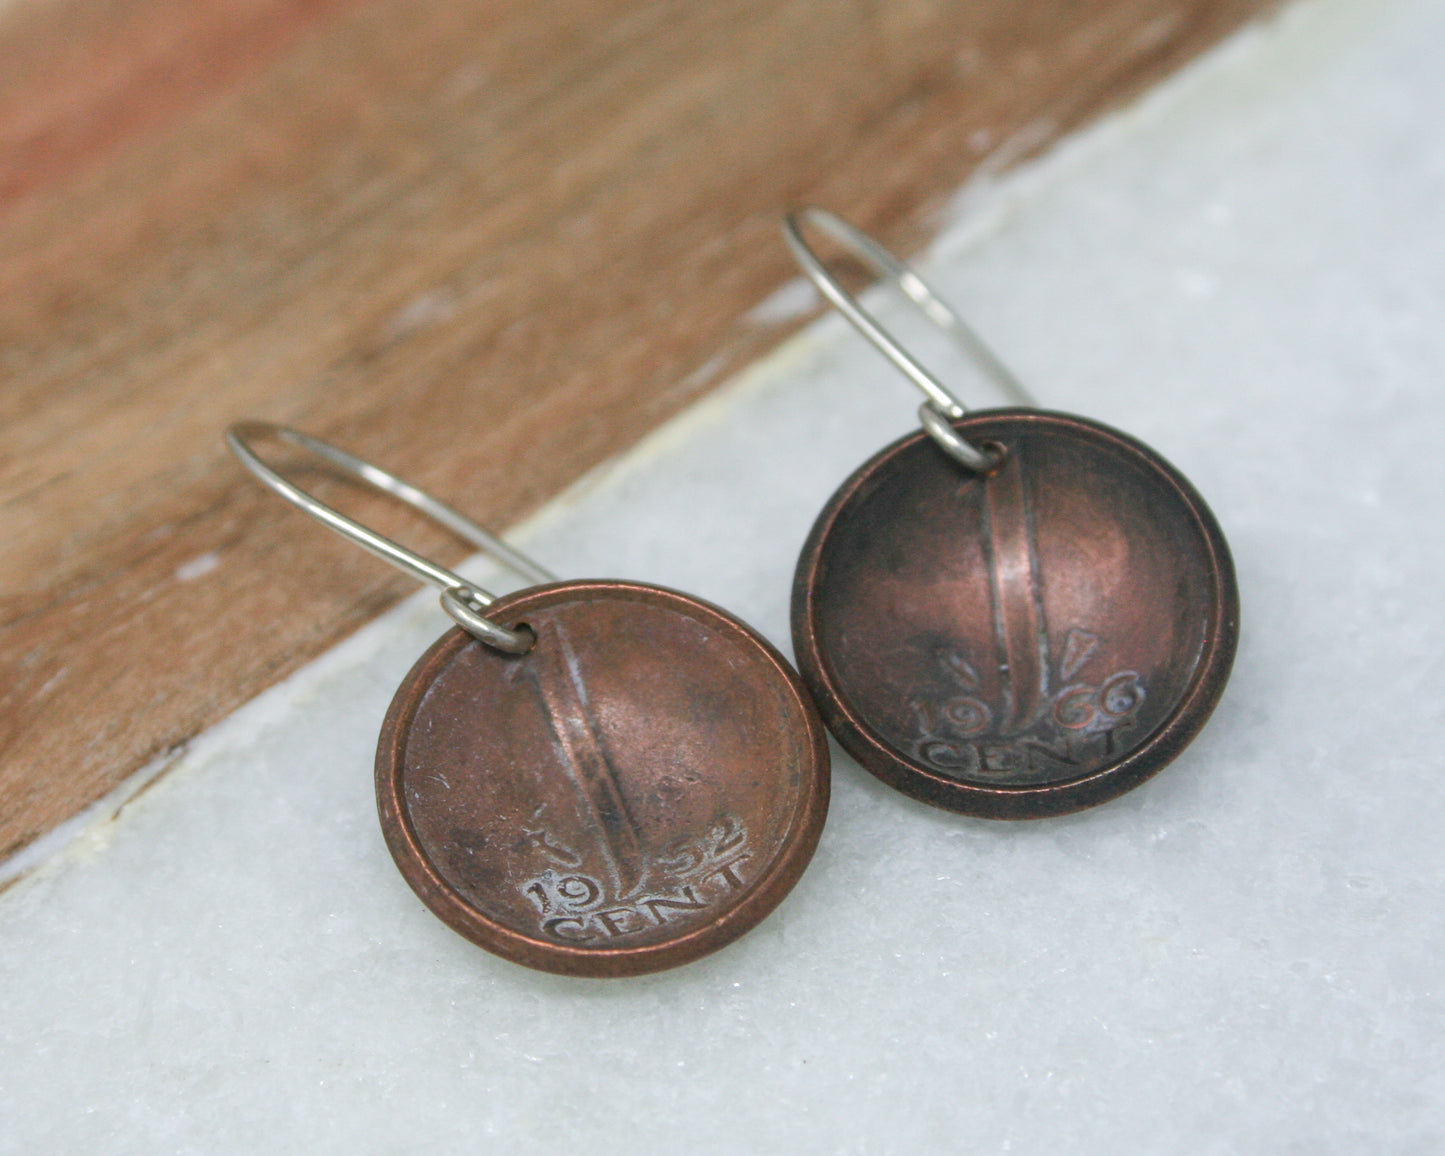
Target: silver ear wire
{"x":461,"y":599}
{"x":942,"y":404}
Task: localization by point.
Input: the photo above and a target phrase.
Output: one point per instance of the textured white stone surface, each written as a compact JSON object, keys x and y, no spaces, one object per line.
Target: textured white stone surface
{"x":1244,"y":955}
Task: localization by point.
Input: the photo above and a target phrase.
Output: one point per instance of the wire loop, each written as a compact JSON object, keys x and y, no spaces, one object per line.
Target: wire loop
{"x":461,"y":599}
{"x":942,"y":404}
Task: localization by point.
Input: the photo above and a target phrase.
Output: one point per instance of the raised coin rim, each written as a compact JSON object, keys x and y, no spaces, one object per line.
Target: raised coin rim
{"x":795,"y":850}
{"x":904,"y":774}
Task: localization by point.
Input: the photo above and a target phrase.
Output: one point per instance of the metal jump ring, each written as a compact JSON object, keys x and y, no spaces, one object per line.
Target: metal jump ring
{"x":942,"y":404}
{"x":461,"y":599}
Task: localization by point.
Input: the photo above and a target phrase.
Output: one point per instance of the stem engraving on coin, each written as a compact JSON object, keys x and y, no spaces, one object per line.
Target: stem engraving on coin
{"x":559,"y":682}
{"x":1044,"y":718}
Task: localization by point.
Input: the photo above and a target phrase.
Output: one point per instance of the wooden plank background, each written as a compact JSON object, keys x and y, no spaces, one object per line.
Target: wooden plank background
{"x":486,"y":244}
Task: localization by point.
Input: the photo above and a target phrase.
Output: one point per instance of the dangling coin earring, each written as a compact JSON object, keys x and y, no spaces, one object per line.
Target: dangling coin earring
{"x":1012,"y":613}
{"x":597,"y":778}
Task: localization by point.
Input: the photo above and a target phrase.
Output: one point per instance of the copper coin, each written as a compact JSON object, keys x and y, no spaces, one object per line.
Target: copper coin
{"x":640,"y":788}
{"x":1020,"y":644}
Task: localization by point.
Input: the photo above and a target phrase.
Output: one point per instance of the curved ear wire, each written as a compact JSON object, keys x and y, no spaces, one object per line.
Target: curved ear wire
{"x":942,"y":402}
{"x":461,"y":599}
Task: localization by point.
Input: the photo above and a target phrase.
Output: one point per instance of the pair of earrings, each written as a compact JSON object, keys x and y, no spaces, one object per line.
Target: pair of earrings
{"x":1013,"y":614}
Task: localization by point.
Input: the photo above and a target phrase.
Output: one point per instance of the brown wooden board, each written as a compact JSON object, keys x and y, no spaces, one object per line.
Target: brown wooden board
{"x":485,"y":244}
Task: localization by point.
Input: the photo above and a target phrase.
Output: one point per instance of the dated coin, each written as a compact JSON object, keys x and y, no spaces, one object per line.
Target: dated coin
{"x":1024,"y":643}
{"x":640,"y":788}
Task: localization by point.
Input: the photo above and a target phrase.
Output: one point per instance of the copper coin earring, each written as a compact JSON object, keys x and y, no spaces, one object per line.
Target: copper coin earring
{"x":1011,"y":613}
{"x":597,"y":778}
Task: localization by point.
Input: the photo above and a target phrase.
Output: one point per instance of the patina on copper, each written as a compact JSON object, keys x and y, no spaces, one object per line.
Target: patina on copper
{"x":641,"y":787}
{"x":1021,"y":643}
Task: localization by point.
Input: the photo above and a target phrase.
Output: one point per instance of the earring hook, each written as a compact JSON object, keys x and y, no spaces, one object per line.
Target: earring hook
{"x":461,"y":599}
{"x":942,"y":403}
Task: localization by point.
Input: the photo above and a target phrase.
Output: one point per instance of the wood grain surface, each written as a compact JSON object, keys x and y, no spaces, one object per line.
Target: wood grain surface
{"x":485,"y":244}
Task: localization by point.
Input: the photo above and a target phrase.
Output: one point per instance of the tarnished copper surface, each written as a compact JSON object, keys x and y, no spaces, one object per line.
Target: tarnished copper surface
{"x":640,"y":788}
{"x":1023,"y":644}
